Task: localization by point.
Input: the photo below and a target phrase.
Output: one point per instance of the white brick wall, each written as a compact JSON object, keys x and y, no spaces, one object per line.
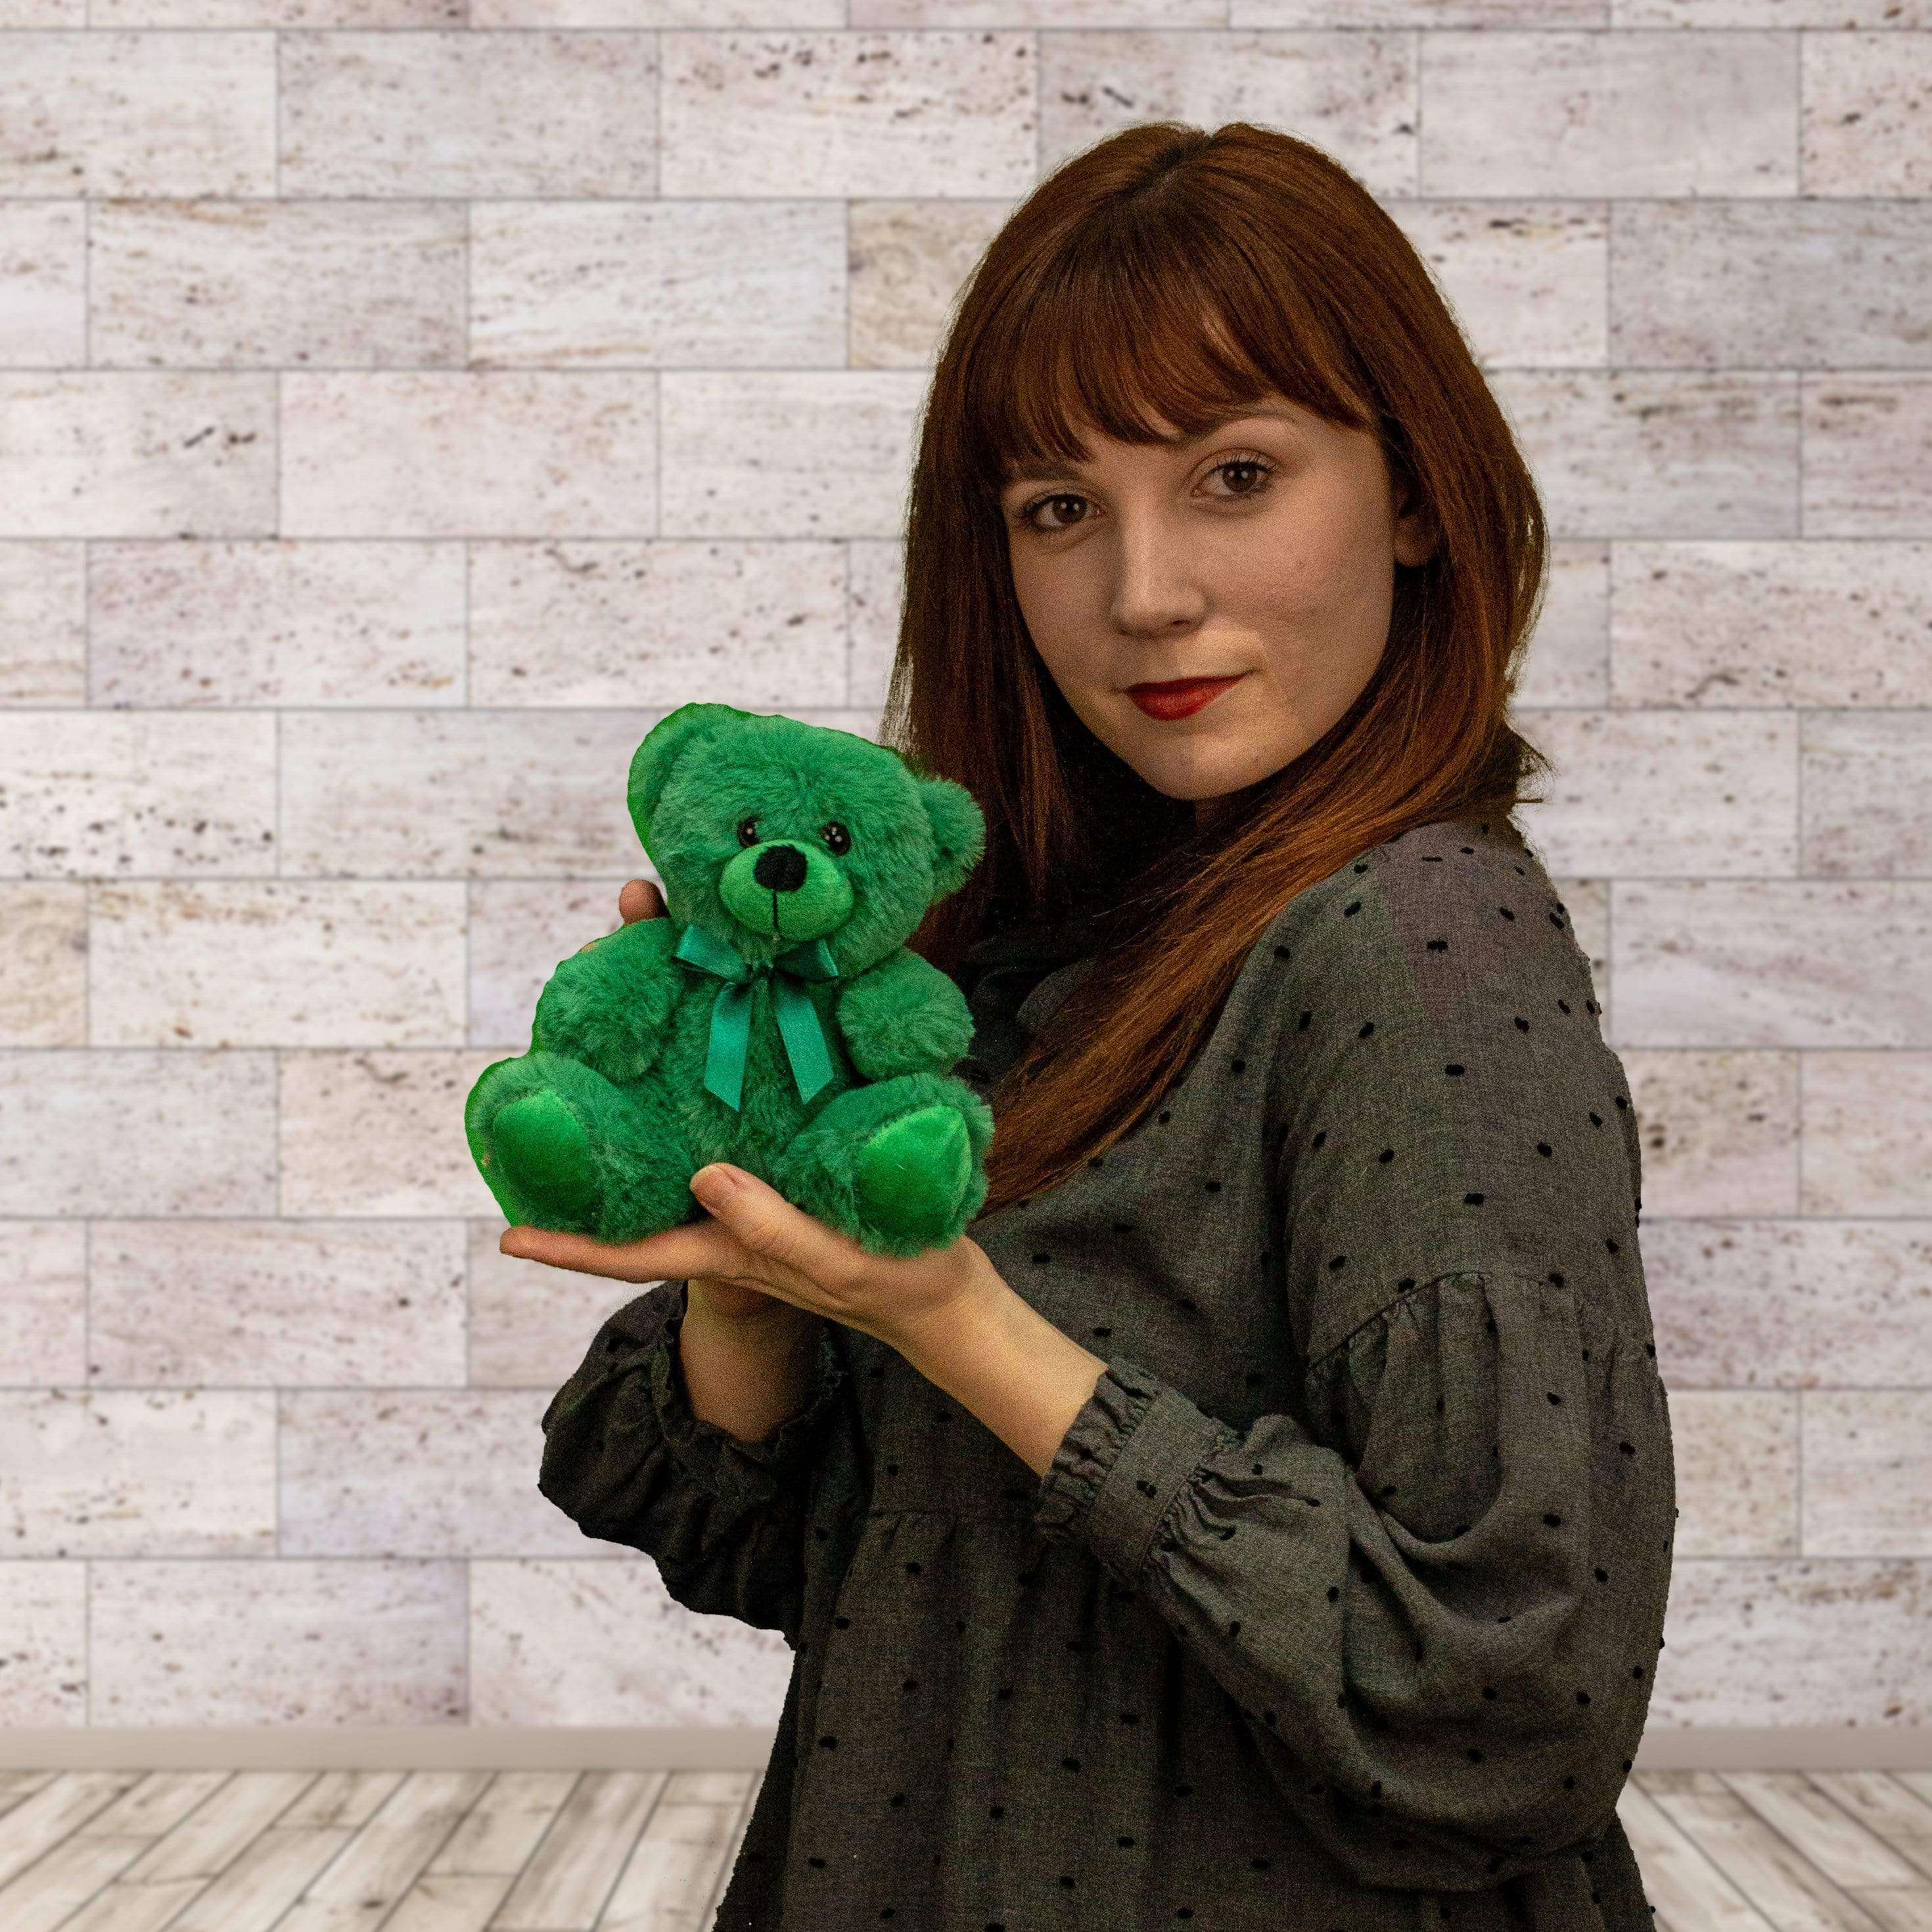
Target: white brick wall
{"x":400,"y":411}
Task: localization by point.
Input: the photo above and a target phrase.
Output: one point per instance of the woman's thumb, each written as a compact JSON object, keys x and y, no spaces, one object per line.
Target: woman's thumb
{"x":715,"y":1185}
{"x":757,"y":1213}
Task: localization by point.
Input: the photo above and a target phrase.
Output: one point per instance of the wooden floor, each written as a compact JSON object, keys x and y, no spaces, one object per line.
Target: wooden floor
{"x":562,"y":1851}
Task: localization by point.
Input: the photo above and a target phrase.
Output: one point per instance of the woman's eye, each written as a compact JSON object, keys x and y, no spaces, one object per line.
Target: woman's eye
{"x":1026,"y":515}
{"x":748,"y":832}
{"x":838,"y":840}
{"x":1263,"y":472}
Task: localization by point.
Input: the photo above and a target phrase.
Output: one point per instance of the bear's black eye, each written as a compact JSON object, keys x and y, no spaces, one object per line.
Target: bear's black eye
{"x":747,"y":831}
{"x":838,"y":840}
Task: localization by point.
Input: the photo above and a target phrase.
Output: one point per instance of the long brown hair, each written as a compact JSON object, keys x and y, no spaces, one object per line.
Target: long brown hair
{"x":1193,"y":273}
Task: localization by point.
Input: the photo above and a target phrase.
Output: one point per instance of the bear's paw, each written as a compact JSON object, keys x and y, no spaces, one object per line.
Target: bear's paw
{"x":913,"y":1173}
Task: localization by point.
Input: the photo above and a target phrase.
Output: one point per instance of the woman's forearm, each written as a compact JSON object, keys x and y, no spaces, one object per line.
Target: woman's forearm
{"x":748,"y":1374}
{"x":999,"y":1357}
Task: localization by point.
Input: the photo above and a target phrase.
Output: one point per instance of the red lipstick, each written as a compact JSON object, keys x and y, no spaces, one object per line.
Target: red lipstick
{"x":1180,"y":697}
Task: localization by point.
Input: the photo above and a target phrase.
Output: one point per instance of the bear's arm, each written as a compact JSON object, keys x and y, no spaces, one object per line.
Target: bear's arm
{"x":609,"y":1006}
{"x":904,"y":1016}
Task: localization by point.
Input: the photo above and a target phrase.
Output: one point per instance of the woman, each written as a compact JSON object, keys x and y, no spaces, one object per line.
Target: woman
{"x":1263,"y":1518}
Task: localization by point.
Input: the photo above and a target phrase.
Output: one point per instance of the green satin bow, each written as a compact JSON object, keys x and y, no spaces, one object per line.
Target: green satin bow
{"x":799,"y":1023}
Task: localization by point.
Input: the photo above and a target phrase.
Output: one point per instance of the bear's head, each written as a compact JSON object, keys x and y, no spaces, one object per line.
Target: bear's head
{"x":768,"y":833}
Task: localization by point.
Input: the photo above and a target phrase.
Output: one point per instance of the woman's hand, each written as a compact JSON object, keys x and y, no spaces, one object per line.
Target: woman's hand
{"x":757,"y":1251}
{"x":756,"y":1241}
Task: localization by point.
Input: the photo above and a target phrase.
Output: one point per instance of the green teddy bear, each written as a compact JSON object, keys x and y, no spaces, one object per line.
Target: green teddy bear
{"x":775,"y":1019}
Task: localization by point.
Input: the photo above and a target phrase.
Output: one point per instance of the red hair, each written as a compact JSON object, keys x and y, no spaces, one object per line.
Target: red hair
{"x":1189,"y":273}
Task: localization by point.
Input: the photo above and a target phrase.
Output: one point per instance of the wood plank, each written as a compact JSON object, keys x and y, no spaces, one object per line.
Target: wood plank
{"x":362,"y":1885}
{"x":755,"y":1783}
{"x":134,"y":1908}
{"x":570,"y":1875}
{"x":450,"y":1902}
{"x":1691,"y":1894}
{"x":668,"y":1884}
{"x":261,"y":1884}
{"x":343,"y":1797}
{"x":504,"y":1826}
{"x":1783,"y":1885}
{"x":222,"y":1827}
{"x":1841,"y":1846}
{"x":44,"y":1817}
{"x":57,"y":1884}
{"x":158,"y":1802}
{"x":16,"y":1785}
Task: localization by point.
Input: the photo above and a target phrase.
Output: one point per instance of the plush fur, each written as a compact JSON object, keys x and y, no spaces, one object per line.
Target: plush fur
{"x":598,"y":1128}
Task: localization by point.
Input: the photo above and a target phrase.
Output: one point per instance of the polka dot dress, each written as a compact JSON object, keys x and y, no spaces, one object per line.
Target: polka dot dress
{"x":1339,"y":1606}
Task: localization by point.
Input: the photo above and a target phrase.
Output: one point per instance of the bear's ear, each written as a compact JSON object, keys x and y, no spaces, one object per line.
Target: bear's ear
{"x":651,"y":763}
{"x":958,"y":832}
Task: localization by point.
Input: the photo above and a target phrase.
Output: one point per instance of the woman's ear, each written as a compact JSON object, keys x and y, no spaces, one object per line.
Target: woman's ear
{"x":1416,"y":535}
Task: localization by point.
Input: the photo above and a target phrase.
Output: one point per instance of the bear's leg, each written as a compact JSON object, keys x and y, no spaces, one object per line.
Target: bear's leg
{"x":894,"y":1164}
{"x":562,"y":1148}
{"x":912,"y":1172}
{"x":540,"y":1140}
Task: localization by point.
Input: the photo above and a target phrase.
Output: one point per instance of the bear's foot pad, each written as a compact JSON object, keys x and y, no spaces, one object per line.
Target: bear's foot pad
{"x":546,"y":1152}
{"x":914,"y":1171}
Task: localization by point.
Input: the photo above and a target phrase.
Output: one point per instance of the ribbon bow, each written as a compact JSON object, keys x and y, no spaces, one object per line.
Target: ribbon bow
{"x":799,"y":1024}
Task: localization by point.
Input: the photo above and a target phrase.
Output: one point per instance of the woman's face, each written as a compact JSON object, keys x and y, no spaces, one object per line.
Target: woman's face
{"x":1264,"y":550}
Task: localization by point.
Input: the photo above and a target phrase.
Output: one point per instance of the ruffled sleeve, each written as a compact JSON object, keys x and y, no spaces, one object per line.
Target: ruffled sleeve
{"x":628,"y":1459}
{"x":1440,"y":1618}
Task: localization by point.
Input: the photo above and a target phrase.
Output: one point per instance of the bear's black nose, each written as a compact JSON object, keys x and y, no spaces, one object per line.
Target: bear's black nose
{"x":779,"y":868}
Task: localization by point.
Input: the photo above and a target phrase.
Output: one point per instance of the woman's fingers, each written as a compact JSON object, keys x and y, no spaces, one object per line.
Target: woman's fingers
{"x":695,"y":1248}
{"x":640,"y":899}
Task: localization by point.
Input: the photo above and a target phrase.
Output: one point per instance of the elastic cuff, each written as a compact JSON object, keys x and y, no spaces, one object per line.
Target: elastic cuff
{"x":709,"y":1454}
{"x":1128,"y":1454}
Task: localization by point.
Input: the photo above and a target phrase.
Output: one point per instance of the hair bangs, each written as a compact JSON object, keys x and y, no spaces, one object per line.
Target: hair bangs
{"x":1129,"y":329}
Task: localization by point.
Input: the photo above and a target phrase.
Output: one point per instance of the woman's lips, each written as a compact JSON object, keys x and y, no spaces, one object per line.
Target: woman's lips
{"x":1180,"y":700}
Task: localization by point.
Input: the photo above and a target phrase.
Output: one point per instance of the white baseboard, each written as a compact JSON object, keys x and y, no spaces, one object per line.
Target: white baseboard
{"x":463,"y":1748}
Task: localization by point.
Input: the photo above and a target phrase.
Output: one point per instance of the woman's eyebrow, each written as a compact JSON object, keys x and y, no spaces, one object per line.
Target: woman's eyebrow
{"x":1070,"y":473}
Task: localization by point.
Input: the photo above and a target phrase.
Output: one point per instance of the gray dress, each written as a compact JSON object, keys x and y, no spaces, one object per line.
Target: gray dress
{"x":1338,"y":1608}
